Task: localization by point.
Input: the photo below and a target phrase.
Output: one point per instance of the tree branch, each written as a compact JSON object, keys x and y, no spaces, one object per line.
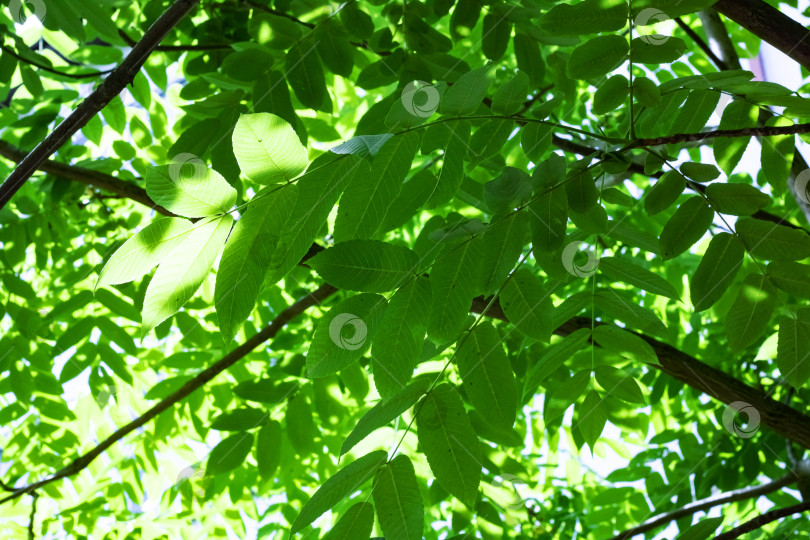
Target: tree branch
{"x":716,"y":30}
{"x":724,"y":133}
{"x":32,"y":517}
{"x":764,"y":519}
{"x":268,"y":332}
{"x":9,"y":51}
{"x":702,"y":44}
{"x":88,"y":177}
{"x":706,"y":504}
{"x":95,"y":102}
{"x":771,"y":25}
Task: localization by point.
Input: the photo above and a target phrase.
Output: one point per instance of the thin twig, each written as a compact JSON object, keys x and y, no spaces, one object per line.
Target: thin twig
{"x":762,"y":520}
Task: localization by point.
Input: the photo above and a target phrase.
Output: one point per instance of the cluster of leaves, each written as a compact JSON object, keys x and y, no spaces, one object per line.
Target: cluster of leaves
{"x":404,"y":154}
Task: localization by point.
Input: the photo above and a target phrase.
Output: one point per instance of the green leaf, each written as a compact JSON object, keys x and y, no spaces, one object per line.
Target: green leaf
{"x":365,"y":265}
{"x":591,"y":417}
{"x":229,"y":453}
{"x":247,"y":256}
{"x":510,"y":97}
{"x":357,"y":522}
{"x":503,"y":242}
{"x":495,"y":33}
{"x":777,"y":153}
{"x":702,"y":530}
{"x":200,"y":194}
{"x":178,"y":277}
{"x":265,"y":390}
{"x":453,"y":139}
{"x":716,"y":271}
{"x":334,"y":47}
{"x":587,"y":17}
{"x":791,"y":277}
{"x":554,"y":357}
{"x":727,"y":150}
{"x":624,"y":343}
{"x":240,"y":419}
{"x":535,"y":140}
{"x":356,"y":21}
{"x":646,"y":92}
{"x":449,"y":442}
{"x":793,"y":348}
{"x":144,"y":250}
{"x":397,"y":347}
{"x":267,"y":148}
{"x":751,"y":311}
{"x":653,"y":51}
{"x":300,"y":425}
{"x":339,"y":486}
{"x":736,"y":199}
{"x":489,"y":139}
{"x":664,"y":192}
{"x":596,"y":57}
{"x":686,"y":226}
{"x":369,"y":196}
{"x":549,"y":218}
{"x":623,"y":269}
{"x":527,"y":305}
{"x":398,"y":501}
{"x":487,"y":375}
{"x":344,"y":334}
{"x":384,"y":413}
{"x":770,"y":241}
{"x":268,"y":448}
{"x":318,"y":191}
{"x":619,"y":384}
{"x":697,"y":109}
{"x":362,"y":145}
{"x":509,"y":190}
{"x":529,"y":59}
{"x":611,"y":95}
{"x":465,"y":96}
{"x":624,"y":308}
{"x":700,"y":172}
{"x":454,"y":280}
{"x":581,"y":191}
{"x":305,"y":74}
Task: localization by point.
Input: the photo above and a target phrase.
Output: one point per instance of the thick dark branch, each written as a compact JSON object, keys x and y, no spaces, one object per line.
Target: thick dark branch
{"x":760,"y":521}
{"x":9,"y":51}
{"x":771,"y":25}
{"x":268,"y":332}
{"x":727,"y":133}
{"x":704,"y":505}
{"x":89,"y":177}
{"x":781,"y":418}
{"x":95,"y":102}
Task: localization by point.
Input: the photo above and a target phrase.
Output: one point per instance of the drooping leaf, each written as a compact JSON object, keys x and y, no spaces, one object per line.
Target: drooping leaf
{"x":716,"y":271}
{"x":368,"y":196}
{"x":449,"y":442}
{"x":344,"y":334}
{"x":229,"y":453}
{"x":686,"y":226}
{"x":503,"y":241}
{"x":397,"y":346}
{"x":300,"y":425}
{"x":365,"y":265}
{"x":398,"y":500}
{"x":454,"y":280}
{"x":554,"y":357}
{"x":202,"y":193}
{"x":180,"y":274}
{"x":247,"y":256}
{"x":591,"y":417}
{"x":777,"y":153}
{"x":611,"y":95}
{"x":384,"y":412}
{"x":267,"y":148}
{"x":356,"y":523}
{"x":729,"y":150}
{"x":619,"y":384}
{"x":751,"y":311}
{"x":664,"y":192}
{"x":339,"y":486}
{"x":268,"y":448}
{"x":487,"y":375}
{"x":305,"y":74}
{"x":793,"y":348}
{"x":144,"y":250}
{"x":528,"y":305}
